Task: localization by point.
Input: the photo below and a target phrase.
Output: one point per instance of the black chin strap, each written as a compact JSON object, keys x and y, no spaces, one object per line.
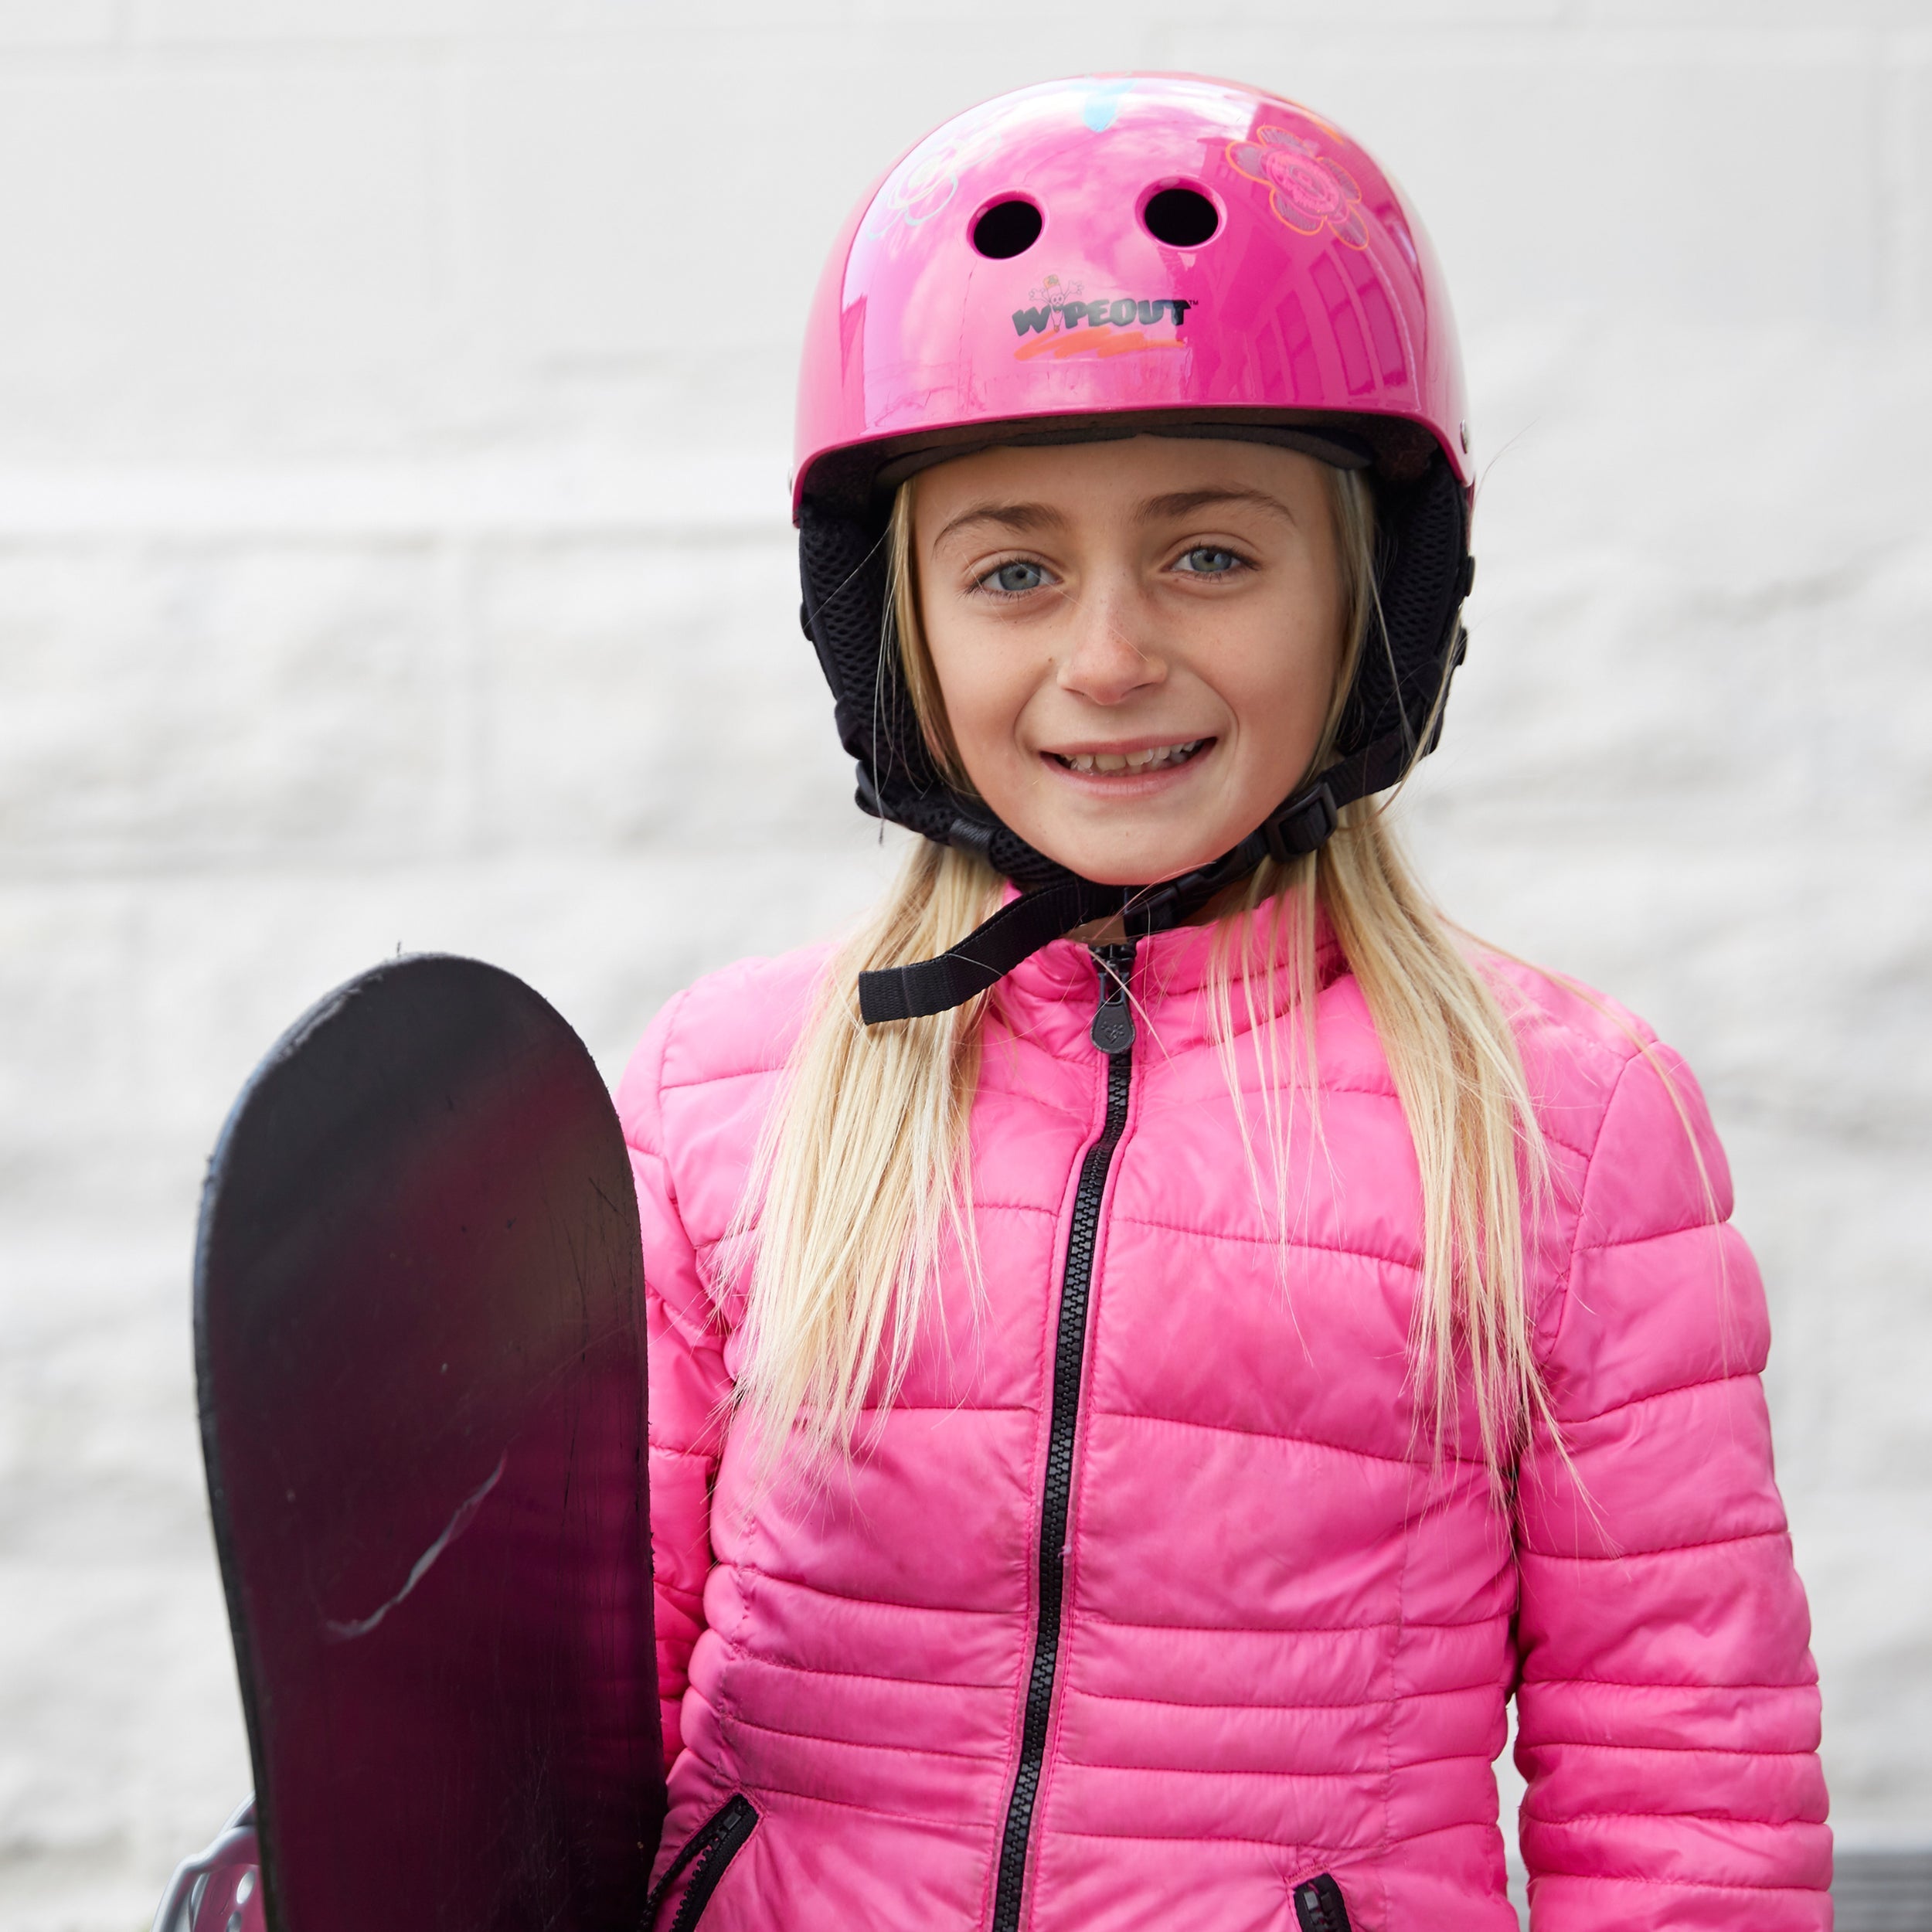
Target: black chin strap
{"x":1017,"y":931}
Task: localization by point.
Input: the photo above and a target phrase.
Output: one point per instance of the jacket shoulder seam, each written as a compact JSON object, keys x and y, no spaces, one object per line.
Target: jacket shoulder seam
{"x":1561,"y":1289}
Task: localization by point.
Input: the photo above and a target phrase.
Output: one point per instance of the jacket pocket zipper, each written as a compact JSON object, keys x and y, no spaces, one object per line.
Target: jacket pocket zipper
{"x":708,"y":1852}
{"x":1318,"y":1906}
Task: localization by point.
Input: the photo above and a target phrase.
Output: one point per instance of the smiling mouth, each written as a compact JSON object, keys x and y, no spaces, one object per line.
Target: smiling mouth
{"x":1129,"y":763}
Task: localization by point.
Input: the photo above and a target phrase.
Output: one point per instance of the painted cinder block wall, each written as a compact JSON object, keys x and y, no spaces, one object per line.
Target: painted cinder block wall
{"x":394,"y":402}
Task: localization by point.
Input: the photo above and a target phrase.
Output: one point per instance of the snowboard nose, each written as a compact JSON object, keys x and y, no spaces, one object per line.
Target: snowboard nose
{"x":420,"y":1357}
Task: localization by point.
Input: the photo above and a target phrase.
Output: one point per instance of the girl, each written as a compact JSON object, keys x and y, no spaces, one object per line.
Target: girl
{"x":1155,"y":1340}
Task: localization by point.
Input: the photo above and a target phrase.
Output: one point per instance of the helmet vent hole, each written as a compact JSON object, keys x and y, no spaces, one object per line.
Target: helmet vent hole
{"x":1007,"y":229}
{"x":1182,"y":217}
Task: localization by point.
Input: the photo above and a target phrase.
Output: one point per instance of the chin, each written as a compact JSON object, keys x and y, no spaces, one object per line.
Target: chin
{"x":1108,"y":867}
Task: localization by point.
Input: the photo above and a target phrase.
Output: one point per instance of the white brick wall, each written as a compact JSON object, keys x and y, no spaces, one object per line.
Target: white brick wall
{"x":393,"y":396}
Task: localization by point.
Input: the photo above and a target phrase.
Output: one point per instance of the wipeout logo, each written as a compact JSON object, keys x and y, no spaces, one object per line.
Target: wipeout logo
{"x":1057,"y":322}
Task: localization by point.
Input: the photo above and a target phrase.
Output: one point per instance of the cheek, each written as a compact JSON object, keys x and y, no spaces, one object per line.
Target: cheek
{"x":984,"y":685}
{"x":1280,"y":685}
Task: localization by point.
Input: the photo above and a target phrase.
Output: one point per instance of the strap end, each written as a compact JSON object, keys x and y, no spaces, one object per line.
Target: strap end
{"x":883,"y":995}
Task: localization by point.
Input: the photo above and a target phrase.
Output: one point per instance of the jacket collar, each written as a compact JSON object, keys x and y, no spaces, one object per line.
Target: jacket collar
{"x":1051,"y":997}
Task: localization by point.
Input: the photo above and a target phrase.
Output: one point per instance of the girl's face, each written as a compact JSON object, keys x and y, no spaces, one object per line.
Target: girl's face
{"x":1136,"y":642}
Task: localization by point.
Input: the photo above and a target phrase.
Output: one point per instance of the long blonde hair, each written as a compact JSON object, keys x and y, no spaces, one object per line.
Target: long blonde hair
{"x":861,"y":1184}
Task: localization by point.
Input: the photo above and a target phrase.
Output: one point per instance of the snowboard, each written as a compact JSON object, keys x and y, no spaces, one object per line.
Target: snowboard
{"x":420,"y":1355}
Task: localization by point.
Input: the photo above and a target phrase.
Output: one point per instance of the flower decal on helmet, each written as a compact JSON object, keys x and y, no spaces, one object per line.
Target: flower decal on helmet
{"x":1309,"y":191}
{"x":918,"y":191}
{"x":920,"y":188}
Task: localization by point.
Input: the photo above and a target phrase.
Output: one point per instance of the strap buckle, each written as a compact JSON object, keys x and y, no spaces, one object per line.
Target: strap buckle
{"x":1158,"y":911}
{"x":1301,"y":825}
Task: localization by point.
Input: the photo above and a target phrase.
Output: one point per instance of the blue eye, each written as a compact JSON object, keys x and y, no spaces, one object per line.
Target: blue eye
{"x":1016,"y":579}
{"x":1206,"y":561}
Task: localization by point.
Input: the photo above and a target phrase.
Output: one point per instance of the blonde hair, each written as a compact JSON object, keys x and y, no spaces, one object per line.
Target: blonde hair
{"x":862,"y":1183}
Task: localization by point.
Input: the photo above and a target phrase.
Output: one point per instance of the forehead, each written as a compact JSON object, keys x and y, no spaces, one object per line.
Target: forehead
{"x":1084,"y":482}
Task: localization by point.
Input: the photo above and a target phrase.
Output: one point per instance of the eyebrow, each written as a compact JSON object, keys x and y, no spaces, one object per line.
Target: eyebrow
{"x":1185,"y":502}
{"x":1017,"y":517}
{"x":1021,"y":518}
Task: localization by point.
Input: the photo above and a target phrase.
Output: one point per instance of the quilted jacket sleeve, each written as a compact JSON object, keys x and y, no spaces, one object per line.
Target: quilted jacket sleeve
{"x":688,"y":1384}
{"x":1668,"y":1706}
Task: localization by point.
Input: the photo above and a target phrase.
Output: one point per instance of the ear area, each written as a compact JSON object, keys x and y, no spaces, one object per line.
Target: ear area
{"x":1415,"y":641}
{"x":843,"y":571}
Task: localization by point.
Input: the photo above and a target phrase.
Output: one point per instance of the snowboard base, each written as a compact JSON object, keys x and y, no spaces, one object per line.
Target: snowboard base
{"x":420,"y":1357}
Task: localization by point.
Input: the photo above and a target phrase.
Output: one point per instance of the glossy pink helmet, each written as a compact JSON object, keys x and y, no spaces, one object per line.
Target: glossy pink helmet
{"x":1107,"y":257}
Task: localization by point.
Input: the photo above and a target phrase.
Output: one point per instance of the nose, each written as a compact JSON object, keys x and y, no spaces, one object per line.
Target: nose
{"x":1112,"y":652}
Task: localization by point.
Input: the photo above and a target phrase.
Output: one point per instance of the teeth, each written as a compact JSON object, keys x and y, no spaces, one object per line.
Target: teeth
{"x":1151,"y":760}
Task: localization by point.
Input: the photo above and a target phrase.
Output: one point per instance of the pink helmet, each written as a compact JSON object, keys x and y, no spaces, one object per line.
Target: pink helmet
{"x":1106,"y":256}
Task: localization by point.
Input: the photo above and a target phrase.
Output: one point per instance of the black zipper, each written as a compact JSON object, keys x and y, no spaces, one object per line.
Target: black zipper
{"x":1113,"y":1034}
{"x":1318,"y":1906}
{"x":708,"y":1851}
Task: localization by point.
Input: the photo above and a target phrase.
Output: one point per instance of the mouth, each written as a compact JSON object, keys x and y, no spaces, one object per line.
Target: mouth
{"x":1130,"y":764}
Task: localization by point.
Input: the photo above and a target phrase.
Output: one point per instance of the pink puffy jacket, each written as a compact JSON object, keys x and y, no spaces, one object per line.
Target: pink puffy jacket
{"x":1148,"y":1605}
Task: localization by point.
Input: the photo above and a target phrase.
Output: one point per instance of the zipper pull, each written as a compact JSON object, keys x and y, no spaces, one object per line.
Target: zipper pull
{"x":1112,"y":1030}
{"x":1319,"y":1905}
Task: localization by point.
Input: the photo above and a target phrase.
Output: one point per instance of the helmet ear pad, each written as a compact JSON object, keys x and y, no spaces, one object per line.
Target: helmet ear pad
{"x":1413,"y":642}
{"x":1414,"y":638}
{"x":843,"y":571}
